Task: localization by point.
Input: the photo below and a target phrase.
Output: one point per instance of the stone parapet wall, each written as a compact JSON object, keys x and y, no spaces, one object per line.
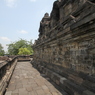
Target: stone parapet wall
{"x":6,"y":70}
{"x":67,"y":47}
{"x":24,"y":58}
{"x":3,"y":58}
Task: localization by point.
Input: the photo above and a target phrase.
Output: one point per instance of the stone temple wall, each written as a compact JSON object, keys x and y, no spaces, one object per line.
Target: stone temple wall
{"x":65,"y":49}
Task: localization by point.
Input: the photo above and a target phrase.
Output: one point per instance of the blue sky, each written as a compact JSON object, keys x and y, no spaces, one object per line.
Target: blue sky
{"x":21,"y":19}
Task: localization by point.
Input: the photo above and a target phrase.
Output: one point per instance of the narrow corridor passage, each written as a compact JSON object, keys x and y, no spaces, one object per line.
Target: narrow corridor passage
{"x":26,"y":80}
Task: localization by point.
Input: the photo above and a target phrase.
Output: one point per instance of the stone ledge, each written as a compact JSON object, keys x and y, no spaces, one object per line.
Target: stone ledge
{"x":5,"y":80}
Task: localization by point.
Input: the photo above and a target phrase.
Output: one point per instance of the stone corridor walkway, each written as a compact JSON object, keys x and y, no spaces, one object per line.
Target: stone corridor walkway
{"x":26,"y":80}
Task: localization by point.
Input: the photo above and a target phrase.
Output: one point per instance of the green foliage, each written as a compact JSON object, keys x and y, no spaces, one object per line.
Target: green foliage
{"x":1,"y":51}
{"x":24,"y":51}
{"x":14,"y":48}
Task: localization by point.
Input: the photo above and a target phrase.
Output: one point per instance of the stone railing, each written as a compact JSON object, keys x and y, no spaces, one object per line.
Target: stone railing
{"x":6,"y":70}
{"x":3,"y":58}
{"x":24,"y":58}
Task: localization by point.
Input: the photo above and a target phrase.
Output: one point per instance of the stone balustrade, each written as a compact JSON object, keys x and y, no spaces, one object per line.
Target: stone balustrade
{"x":6,"y":70}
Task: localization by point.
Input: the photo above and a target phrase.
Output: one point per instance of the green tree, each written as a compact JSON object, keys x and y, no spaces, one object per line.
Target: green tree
{"x":13,"y":48}
{"x":24,"y":51}
{"x":1,"y":51}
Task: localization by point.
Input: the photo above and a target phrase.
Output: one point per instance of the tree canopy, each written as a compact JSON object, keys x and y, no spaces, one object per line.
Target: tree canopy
{"x":24,"y":51}
{"x":1,"y":51}
{"x":20,"y":47}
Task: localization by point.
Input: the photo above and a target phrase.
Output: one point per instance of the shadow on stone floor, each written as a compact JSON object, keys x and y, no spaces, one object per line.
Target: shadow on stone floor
{"x":56,"y":86}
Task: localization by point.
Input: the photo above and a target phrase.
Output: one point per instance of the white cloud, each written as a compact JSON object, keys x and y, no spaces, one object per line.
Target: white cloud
{"x":23,"y":32}
{"x":5,"y":39}
{"x":5,"y":47}
{"x":33,"y":0}
{"x":11,"y":3}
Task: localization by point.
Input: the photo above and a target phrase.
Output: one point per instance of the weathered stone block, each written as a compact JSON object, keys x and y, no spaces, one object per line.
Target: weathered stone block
{"x":68,"y":51}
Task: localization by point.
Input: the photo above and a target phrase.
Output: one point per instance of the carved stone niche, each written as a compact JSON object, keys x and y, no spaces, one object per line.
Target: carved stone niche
{"x":44,"y":24}
{"x":65,"y":8}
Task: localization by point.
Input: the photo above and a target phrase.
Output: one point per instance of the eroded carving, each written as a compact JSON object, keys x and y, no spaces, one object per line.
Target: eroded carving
{"x":44,"y":24}
{"x":54,"y":17}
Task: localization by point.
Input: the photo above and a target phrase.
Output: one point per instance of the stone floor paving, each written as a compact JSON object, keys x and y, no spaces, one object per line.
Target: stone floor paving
{"x":26,"y":80}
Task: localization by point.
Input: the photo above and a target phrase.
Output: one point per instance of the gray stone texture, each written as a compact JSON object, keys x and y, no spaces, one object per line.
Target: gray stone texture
{"x":66,"y":51}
